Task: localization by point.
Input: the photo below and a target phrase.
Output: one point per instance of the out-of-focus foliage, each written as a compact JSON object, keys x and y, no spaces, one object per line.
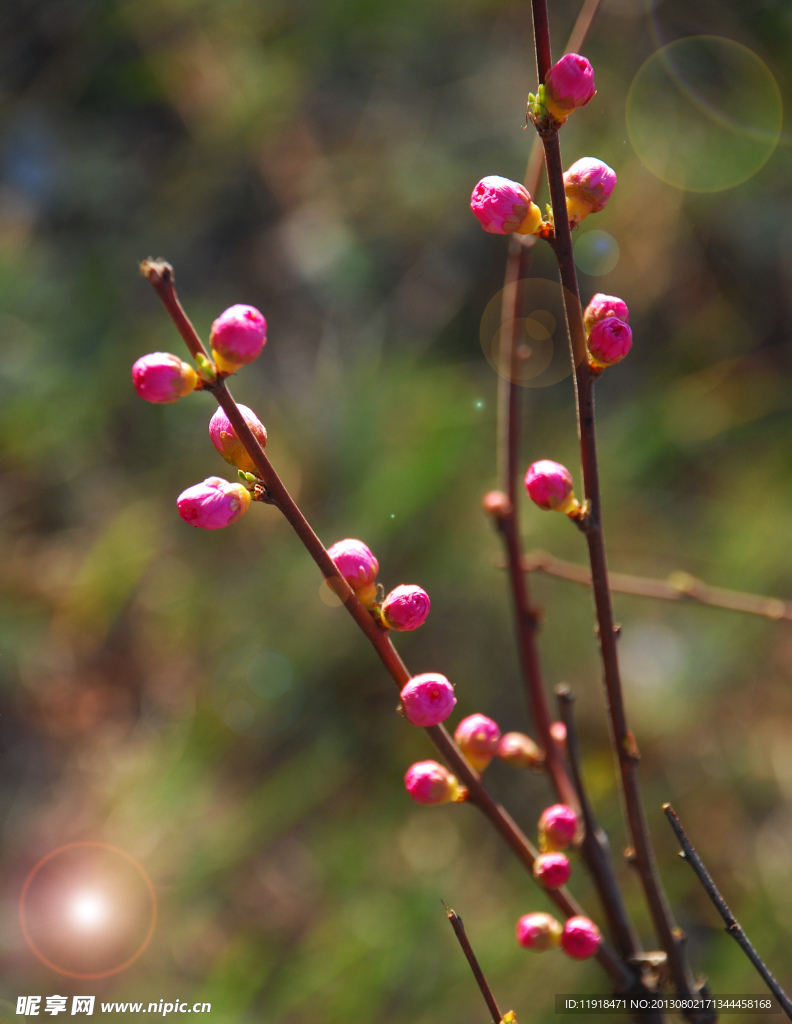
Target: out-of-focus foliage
{"x":193,"y":698}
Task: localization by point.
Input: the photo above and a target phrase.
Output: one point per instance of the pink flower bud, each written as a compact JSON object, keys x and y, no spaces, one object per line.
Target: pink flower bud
{"x":552,"y":870}
{"x":496,"y":504}
{"x":213,"y":504}
{"x":161,"y":377}
{"x":238,"y":336}
{"x":580,"y":938}
{"x":505,"y":207}
{"x":603,"y":306}
{"x":428,"y":699}
{"x":520,"y":751}
{"x":569,"y":84}
{"x":609,"y":342}
{"x":549,"y":485}
{"x":405,"y":608}
{"x":355,"y":563}
{"x":228,"y":444}
{"x":477,"y":737}
{"x":539,"y":932}
{"x":557,"y":827}
{"x":588,"y":185}
{"x":428,"y":782}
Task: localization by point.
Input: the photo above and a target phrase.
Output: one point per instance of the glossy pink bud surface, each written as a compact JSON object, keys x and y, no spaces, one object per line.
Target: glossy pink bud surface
{"x":580,"y":938}
{"x":603,"y":306}
{"x":549,"y":485}
{"x":213,"y":504}
{"x":557,"y":827}
{"x":520,"y":751}
{"x":569,"y":84}
{"x":161,"y":377}
{"x":502,"y":205}
{"x":225,"y":440}
{"x":238,"y":336}
{"x":539,"y":932}
{"x":428,"y":699}
{"x":590,"y":182}
{"x":355,"y":562}
{"x":552,"y":870}
{"x":609,"y":342}
{"x":405,"y":607}
{"x":428,"y":782}
{"x":477,"y":737}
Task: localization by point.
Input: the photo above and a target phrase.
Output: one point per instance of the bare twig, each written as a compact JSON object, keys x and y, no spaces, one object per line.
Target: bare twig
{"x":595,"y":848}
{"x":678,"y":586}
{"x":624,"y":744}
{"x":459,"y":930}
{"x":508,"y":433}
{"x":622,"y":976}
{"x":733,"y":928}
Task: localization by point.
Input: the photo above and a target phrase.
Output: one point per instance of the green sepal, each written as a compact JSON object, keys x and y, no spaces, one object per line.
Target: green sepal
{"x":207,"y":370}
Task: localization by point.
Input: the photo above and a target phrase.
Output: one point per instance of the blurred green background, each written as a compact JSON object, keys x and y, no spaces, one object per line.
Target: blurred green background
{"x":190,"y":697}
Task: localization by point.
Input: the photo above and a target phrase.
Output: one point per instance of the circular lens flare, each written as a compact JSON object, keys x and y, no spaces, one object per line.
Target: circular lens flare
{"x":87,"y":910}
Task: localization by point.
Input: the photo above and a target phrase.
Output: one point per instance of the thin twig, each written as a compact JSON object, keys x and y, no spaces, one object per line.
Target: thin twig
{"x":732,"y":926}
{"x":678,"y":586}
{"x":624,"y":744}
{"x":459,"y":930}
{"x":595,"y":848}
{"x":508,"y":433}
{"x":622,"y":976}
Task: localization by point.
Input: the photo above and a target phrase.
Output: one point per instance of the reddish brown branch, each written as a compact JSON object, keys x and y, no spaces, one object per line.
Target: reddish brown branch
{"x":623,"y":978}
{"x":679,"y":586}
{"x":624,"y":744}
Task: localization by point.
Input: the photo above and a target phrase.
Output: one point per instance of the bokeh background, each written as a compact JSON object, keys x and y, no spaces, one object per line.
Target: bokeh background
{"x":192,"y":699}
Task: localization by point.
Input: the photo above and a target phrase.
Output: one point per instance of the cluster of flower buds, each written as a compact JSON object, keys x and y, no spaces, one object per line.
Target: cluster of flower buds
{"x":578,"y":937}
{"x":608,"y":335}
{"x":405,"y":608}
{"x":588,"y":185}
{"x":238,"y":336}
{"x":505,"y":207}
{"x":549,"y":485}
{"x":428,"y":782}
{"x":558,"y":827}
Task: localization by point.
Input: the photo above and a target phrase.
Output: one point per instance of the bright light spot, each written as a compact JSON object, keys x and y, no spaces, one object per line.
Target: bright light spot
{"x":479,"y":403}
{"x":88,"y":910}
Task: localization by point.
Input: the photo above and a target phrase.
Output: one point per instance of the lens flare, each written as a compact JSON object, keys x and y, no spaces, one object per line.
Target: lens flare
{"x":704,"y":113}
{"x":87,"y":910}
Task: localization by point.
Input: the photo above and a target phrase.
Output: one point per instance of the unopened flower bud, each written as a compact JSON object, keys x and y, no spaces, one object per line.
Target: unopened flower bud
{"x":549,"y":485}
{"x":580,"y":938}
{"x":539,"y":932}
{"x":505,"y":207}
{"x":558,"y":734}
{"x":428,"y":782}
{"x":520,"y":751}
{"x":161,"y":377}
{"x":496,"y":504}
{"x":557,"y":827}
{"x":588,"y":185}
{"x":477,"y":737}
{"x":238,"y":336}
{"x":603,"y":306}
{"x":428,"y":699}
{"x":405,"y":608}
{"x":213,"y":504}
{"x":358,"y":566}
{"x":225,"y":440}
{"x":552,"y":870}
{"x":609,"y":342}
{"x":569,"y":84}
